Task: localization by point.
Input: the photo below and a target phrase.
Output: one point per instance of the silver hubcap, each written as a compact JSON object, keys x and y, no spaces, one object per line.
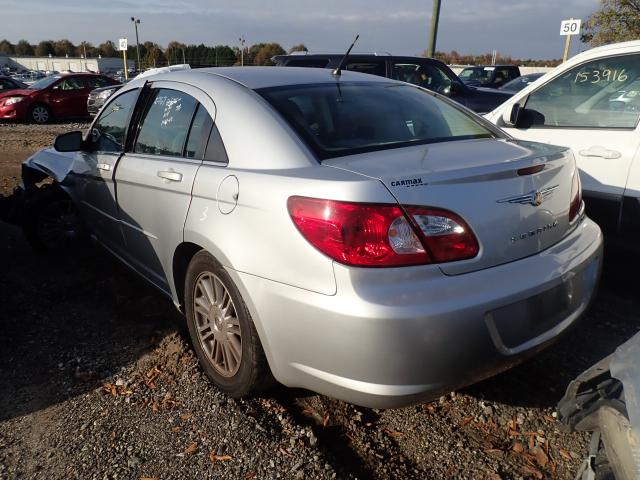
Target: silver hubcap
{"x":217,"y":324}
{"x":40,"y":114}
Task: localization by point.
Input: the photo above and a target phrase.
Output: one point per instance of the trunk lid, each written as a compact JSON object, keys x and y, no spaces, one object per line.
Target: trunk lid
{"x":479,"y":181}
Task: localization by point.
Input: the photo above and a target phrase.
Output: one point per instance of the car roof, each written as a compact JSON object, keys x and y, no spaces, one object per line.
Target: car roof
{"x":266,"y":77}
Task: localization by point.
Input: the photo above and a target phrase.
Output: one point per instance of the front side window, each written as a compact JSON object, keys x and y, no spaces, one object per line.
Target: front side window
{"x":424,"y":75}
{"x":348,"y":118}
{"x":481,"y":74}
{"x":166,"y":122}
{"x":108,"y":132}
{"x":603,"y":93}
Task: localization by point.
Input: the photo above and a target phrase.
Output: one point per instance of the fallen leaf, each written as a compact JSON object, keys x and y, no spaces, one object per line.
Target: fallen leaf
{"x":564,"y":454}
{"x":155,"y":407}
{"x":465,"y":421}
{"x":518,"y":447}
{"x":493,"y":451}
{"x":532,"y":471}
{"x":532,"y":442}
{"x":185,"y":416}
{"x":175,"y":429}
{"x":325,"y":422}
{"x":149,"y":478}
{"x":191,"y":449}
{"x":513,"y":433}
{"x":250,"y":475}
{"x":219,"y":458}
{"x":541,"y":457}
{"x":549,"y":418}
{"x":285,"y":452}
{"x":494,"y":476}
{"x":393,"y":433}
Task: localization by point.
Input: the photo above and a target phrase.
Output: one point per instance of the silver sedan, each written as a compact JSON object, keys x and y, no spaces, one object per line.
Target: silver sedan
{"x":349,"y":234}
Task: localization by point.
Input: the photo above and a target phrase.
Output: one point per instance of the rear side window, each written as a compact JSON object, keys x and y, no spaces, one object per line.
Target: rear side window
{"x":603,"y":93}
{"x":356,"y":117}
{"x":97,"y":82}
{"x":198,"y":134}
{"x":108,"y":132}
{"x":165,"y":124}
{"x":372,"y":67}
{"x":308,"y":62}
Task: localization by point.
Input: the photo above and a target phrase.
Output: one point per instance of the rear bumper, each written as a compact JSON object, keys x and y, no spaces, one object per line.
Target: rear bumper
{"x":392,"y":337}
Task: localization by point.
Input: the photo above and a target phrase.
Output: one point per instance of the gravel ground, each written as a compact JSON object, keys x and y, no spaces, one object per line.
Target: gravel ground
{"x":99,"y":381}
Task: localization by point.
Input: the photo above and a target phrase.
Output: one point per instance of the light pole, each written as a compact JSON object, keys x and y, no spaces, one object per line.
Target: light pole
{"x":136,"y":22}
{"x":241,"y":39}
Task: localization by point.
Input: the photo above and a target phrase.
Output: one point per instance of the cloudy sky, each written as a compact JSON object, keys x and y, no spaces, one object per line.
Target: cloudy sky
{"x":520,"y":28}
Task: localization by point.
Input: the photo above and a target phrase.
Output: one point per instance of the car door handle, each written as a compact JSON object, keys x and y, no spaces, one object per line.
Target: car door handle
{"x":104,"y":166}
{"x":601,"y":152}
{"x":170,"y":175}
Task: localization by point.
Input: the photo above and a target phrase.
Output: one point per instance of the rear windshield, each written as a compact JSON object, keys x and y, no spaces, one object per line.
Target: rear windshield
{"x":44,"y":83}
{"x":340,"y":119}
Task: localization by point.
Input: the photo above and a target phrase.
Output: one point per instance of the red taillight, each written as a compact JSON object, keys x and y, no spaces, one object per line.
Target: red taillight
{"x":576,"y":196}
{"x":376,"y":235}
{"x":446,"y":236}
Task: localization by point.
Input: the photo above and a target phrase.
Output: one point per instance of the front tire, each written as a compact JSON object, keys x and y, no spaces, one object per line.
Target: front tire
{"x":40,"y":114}
{"x":221,"y":330}
{"x":52,"y":222}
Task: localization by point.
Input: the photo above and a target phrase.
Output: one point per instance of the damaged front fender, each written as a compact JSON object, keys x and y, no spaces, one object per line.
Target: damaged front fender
{"x":51,"y":163}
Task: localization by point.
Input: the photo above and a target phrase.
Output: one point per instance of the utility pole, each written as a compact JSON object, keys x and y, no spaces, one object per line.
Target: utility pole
{"x":136,"y":22}
{"x":435,"y":18}
{"x":241,"y":39}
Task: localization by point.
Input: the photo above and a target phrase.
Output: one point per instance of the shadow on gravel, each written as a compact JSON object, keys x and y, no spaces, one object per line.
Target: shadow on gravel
{"x":66,"y":323}
{"x":613,"y":318}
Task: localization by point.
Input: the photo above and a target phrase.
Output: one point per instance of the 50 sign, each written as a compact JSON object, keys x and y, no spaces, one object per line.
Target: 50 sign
{"x":570,"y":27}
{"x":601,"y":75}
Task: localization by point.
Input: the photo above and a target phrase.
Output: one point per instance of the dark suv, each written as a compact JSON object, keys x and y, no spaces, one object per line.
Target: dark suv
{"x":490,"y":76}
{"x":424,"y":72}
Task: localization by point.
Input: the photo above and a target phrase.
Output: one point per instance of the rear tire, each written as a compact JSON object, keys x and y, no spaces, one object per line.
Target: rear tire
{"x":40,"y":114}
{"x":222,"y":333}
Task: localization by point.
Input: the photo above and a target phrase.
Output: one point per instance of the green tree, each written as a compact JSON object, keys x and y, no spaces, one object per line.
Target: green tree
{"x":261,"y":53}
{"x":299,"y":48}
{"x":45,"y":48}
{"x":108,"y":49}
{"x":88,"y":48}
{"x":614,"y":21}
{"x":6,"y":47}
{"x":173,"y":52}
{"x":24,"y":48}
{"x":64,"y":47}
{"x":154,"y":56}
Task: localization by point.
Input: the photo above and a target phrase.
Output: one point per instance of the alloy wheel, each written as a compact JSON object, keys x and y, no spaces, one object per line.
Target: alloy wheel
{"x":217,"y":325}
{"x":40,"y":114}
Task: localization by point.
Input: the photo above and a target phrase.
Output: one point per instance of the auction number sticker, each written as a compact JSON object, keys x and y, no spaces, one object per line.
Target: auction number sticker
{"x":601,"y":75}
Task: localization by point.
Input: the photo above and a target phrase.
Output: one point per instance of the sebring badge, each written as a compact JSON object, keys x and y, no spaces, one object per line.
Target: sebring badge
{"x":535,"y":198}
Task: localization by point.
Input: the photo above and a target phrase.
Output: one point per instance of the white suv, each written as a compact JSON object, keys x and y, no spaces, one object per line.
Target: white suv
{"x":591,"y":104}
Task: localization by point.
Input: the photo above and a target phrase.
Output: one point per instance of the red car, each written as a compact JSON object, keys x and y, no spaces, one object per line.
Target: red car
{"x":55,"y":96}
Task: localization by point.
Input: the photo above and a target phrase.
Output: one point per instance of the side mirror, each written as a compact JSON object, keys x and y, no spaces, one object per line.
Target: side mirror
{"x":511,"y":117}
{"x":69,"y":142}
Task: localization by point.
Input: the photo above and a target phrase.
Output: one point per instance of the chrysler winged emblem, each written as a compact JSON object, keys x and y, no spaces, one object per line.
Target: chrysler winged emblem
{"x":535,"y":198}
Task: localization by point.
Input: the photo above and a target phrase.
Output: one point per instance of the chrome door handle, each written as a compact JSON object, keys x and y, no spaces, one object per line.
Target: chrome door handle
{"x":600,"y":152}
{"x":104,"y":166}
{"x":170,"y":175}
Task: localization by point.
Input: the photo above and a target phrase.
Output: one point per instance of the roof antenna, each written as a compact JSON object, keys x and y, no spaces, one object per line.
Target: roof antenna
{"x":338,"y":70}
